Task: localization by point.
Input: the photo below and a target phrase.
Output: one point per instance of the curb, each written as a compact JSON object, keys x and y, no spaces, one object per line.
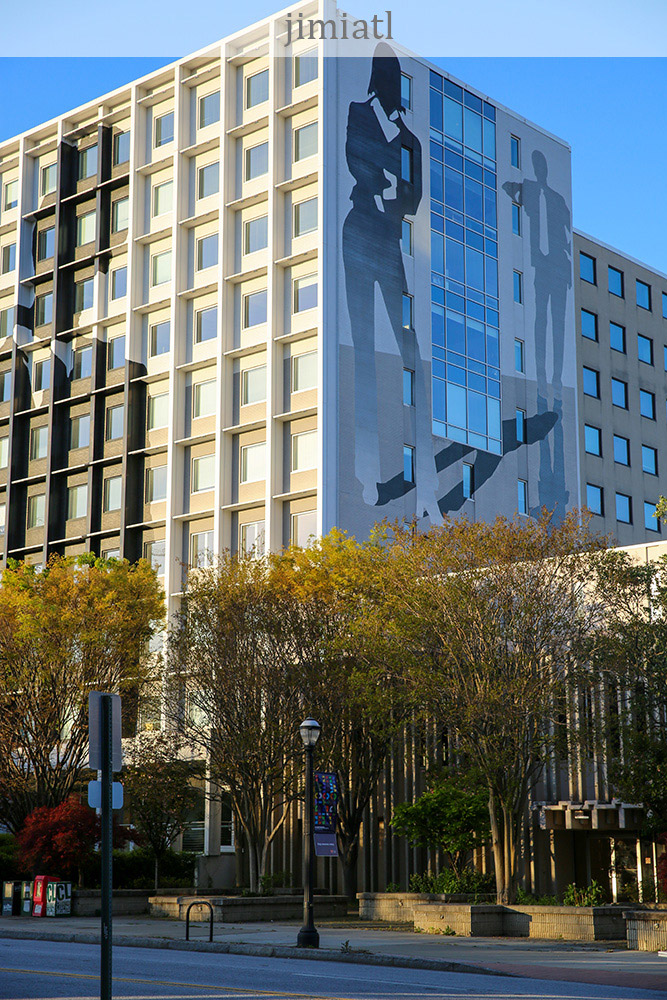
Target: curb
{"x":257,"y":950}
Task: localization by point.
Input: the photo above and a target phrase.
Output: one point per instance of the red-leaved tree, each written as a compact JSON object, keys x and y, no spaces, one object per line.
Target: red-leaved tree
{"x":60,"y":840}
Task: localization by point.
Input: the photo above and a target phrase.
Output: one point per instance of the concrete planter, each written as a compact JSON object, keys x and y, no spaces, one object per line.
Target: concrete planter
{"x":569,"y":923}
{"x":646,"y":929}
{"x":125,"y":902}
{"x":399,"y":907}
{"x":245,"y":909}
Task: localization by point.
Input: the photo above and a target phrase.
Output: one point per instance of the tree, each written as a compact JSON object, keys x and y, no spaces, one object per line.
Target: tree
{"x":157,"y":778}
{"x":59,"y":840}
{"x":452,"y":815}
{"x":354,"y":672}
{"x":236,"y":693}
{"x":78,"y":626}
{"x":500,"y":607}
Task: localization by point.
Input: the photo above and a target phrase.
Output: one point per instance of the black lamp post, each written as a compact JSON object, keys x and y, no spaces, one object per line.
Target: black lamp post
{"x":308,"y":936}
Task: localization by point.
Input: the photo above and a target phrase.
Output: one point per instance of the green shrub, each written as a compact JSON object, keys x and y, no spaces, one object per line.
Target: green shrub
{"x":136,"y":870}
{"x":593,"y":895}
{"x":11,"y":869}
{"x":447,"y":881}
{"x":524,"y":898}
{"x":268,"y":883}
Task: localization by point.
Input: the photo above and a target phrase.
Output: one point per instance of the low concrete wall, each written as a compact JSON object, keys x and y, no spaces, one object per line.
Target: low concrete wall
{"x":125,"y":902}
{"x":476,"y":920}
{"x":569,"y":923}
{"x":399,"y":907}
{"x":646,"y":929}
{"x":246,"y":909}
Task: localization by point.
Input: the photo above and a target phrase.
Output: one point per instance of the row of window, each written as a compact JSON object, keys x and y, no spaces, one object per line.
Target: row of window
{"x":619,"y":393}
{"x":621,"y":449}
{"x":595,"y":501}
{"x":617,"y":338}
{"x":616,"y":283}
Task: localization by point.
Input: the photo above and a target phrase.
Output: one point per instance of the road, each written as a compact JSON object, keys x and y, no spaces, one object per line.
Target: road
{"x":45,"y":970}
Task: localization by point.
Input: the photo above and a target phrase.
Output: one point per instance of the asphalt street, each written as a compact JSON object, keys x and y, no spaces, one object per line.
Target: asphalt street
{"x":37,"y":970}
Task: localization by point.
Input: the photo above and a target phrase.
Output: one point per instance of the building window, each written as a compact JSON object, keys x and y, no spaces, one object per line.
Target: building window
{"x":519,"y":356}
{"x":305,"y":217}
{"x":303,"y":527}
{"x":36,"y":510}
{"x":155,"y":553}
{"x":645,"y":349}
{"x":651,"y":522}
{"x":305,"y":141}
{"x":594,"y":498}
{"x":406,"y":92}
{"x":87,"y":162}
{"x":79,"y":432}
{"x":77,"y":502}
{"x":621,"y":450}
{"x":163,"y":198}
{"x":4,"y":452}
{"x":516,"y":219}
{"x":116,"y":353}
{"x":39,"y":440}
{"x":8,"y":258}
{"x":84,"y":294}
{"x":5,"y":386}
{"x":592,"y":440}
{"x":3,"y":518}
{"x":43,"y":309}
{"x":521,"y":426}
{"x":257,"y":89}
{"x":647,"y":404}
{"x":115,"y":419}
{"x":406,"y":237}
{"x":121,"y":148}
{"x":615,"y":281}
{"x":305,"y":67}
{"x":157,"y":414}
{"x":120,"y":215}
{"x":649,"y":460}
{"x":408,"y":464}
{"x":617,"y":337}
{"x":253,"y":462}
{"x":254,"y":308}
{"x":643,"y":295}
{"x":49,"y":179}
{"x":515,"y":151}
{"x":119,"y":283}
{"x":203,"y":473}
{"x":206,"y":324}
{"x":251,"y":539}
{"x":207,"y":251}
{"x":112,"y":493}
{"x":156,"y":484}
{"x":46,"y":243}
{"x":201,"y":549}
{"x":589,"y":325}
{"x":664,"y":305}
{"x":305,"y":293}
{"x":522,"y":496}
{"x":408,"y":387}
{"x":203,"y":398}
{"x":256,"y":234}
{"x":623,"y":508}
{"x":7,"y":327}
{"x":256,"y":161}
{"x":209,"y":109}
{"x":253,"y":385}
{"x":11,"y":198}
{"x":164,"y":129}
{"x":468,"y":481}
{"x":161,"y":268}
{"x":159,"y":336}
{"x":619,"y":393}
{"x":42,"y":375}
{"x":85,"y":228}
{"x":518,"y":286}
{"x":304,"y":451}
{"x":406,"y":164}
{"x":304,"y":371}
{"x":587,"y":268}
{"x":208,"y":180}
{"x":82,"y":362}
{"x":408,"y":318}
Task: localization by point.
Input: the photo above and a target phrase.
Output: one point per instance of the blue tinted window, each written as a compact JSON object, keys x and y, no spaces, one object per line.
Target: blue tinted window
{"x":453,"y":119}
{"x":436,"y":111}
{"x":617,"y":337}
{"x":623,"y":508}
{"x":587,"y":268}
{"x":649,"y":460}
{"x":468,"y":481}
{"x":516,"y":219}
{"x":594,"y":498}
{"x":647,"y":404}
{"x":515,"y":151}
{"x":664,"y":305}
{"x":589,"y":324}
{"x":651,"y":522}
{"x":408,"y":464}
{"x":645,"y":349}
{"x":408,"y":387}
{"x":519,"y":360}
{"x":406,"y":163}
{"x":453,"y":90}
{"x":407,"y":311}
{"x":619,"y":393}
{"x":454,"y":190}
{"x":592,"y":439}
{"x":621,"y":450}
{"x":643,"y":295}
{"x":615,"y":281}
{"x":591,"y":381}
{"x":521,"y":426}
{"x":518,"y":287}
{"x":522,"y":496}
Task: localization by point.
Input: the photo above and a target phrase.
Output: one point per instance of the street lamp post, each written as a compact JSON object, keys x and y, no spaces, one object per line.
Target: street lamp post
{"x":308,"y":936}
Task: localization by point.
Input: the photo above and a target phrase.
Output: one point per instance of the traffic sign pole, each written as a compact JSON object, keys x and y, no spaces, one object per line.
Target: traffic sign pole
{"x":107,"y":856}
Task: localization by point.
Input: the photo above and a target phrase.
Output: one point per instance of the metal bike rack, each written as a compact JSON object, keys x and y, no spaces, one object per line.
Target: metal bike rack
{"x":199,"y":902}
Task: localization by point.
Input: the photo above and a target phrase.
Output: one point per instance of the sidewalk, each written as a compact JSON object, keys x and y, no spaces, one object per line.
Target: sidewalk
{"x":605,"y":963}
